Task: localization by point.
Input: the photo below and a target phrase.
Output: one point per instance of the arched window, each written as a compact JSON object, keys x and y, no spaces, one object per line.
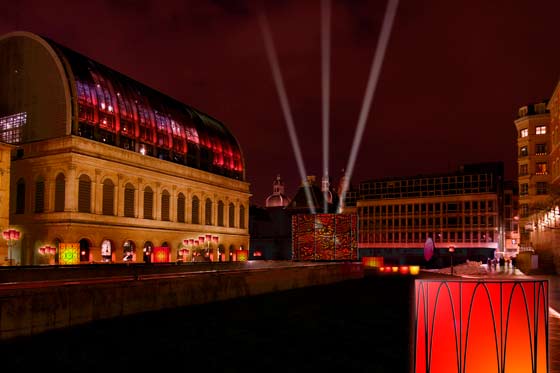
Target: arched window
{"x":84,"y":250}
{"x":231,"y":215}
{"x":20,"y":196}
{"x":181,"y":208}
{"x":59,"y":192}
{"x":108,"y":197}
{"x":129,"y":194}
{"x":242,"y":217}
{"x":165,"y":205}
{"x":195,"y":210}
{"x":148,"y":203}
{"x":40,"y":195}
{"x":208,"y":212}
{"x":220,"y":213}
{"x":84,"y":194}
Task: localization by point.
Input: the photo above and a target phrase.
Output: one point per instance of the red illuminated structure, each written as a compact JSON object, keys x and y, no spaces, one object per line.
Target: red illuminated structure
{"x":324,"y":237}
{"x":481,"y":326}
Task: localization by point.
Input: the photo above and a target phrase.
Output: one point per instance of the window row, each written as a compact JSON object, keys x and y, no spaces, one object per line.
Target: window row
{"x":540,"y":149}
{"x":448,"y":207}
{"x":541,"y":188}
{"x":421,"y":237}
{"x":539,"y":130}
{"x":130,"y":205}
{"x":460,"y":221}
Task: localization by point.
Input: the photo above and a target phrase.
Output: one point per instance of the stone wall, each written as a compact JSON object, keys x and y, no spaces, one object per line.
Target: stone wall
{"x":28,"y":311}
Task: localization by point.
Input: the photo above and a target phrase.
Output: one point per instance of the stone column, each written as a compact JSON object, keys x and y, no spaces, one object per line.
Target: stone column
{"x":71,"y":202}
{"x":97,"y":193}
{"x":120,"y":195}
{"x":139,"y":199}
{"x":173,"y":203}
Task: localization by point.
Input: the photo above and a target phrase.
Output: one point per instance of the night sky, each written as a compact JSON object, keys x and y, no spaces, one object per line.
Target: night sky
{"x":454,"y":74}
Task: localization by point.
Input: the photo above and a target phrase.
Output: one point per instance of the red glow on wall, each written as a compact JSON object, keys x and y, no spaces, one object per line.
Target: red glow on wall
{"x":372,"y":261}
{"x":161,"y":254}
{"x":481,"y":326}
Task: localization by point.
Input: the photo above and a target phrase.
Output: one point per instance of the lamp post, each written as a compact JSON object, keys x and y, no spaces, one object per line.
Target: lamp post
{"x":10,"y":235}
{"x":47,"y":250}
{"x":451,"y":251}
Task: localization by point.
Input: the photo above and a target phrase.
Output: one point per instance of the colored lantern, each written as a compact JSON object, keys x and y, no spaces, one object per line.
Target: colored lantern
{"x":201,"y":239}
{"x":191,"y":241}
{"x":414,"y":270}
{"x":216,"y":239}
{"x":481,"y":326}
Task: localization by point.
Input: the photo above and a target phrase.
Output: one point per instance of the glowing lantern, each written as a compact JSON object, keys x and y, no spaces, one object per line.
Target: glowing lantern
{"x":403,"y":270}
{"x":414,"y":270}
{"x":395,"y":269}
{"x":201,"y":239}
{"x":481,"y":326}
{"x":69,"y":253}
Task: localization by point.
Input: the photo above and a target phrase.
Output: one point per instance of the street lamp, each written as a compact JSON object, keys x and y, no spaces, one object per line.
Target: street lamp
{"x":10,"y":235}
{"x":451,"y":251}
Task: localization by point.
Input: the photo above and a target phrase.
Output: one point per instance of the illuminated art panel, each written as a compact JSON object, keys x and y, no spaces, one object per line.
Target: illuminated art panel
{"x":481,"y":326}
{"x":242,"y":255}
{"x":161,"y":254}
{"x":69,"y":253}
{"x":324,"y":237}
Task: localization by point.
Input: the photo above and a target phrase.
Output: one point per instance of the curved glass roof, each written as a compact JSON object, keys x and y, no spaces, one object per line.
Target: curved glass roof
{"x":115,"y":109}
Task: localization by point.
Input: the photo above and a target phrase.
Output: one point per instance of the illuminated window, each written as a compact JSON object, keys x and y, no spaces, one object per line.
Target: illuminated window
{"x":108,"y":197}
{"x":540,"y":130}
{"x":11,"y":128}
{"x":542,"y":188}
{"x":40,"y":195}
{"x":208,"y":212}
{"x":148,"y":203}
{"x":59,"y":193}
{"x":181,"y":208}
{"x":165,"y":205}
{"x":523,"y":189}
{"x":540,"y":149}
{"x":523,"y":169}
{"x":524,"y":132}
{"x":541,"y":168}
{"x":195,"y":210}
{"x":84,"y":194}
{"x":129,"y":194}
{"x":523,"y":151}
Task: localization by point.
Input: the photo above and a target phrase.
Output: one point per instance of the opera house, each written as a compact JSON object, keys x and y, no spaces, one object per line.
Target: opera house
{"x":102,"y":168}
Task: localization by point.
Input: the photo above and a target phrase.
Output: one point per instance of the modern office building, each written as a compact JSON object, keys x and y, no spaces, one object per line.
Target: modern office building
{"x":471,"y":209}
{"x":108,"y":169}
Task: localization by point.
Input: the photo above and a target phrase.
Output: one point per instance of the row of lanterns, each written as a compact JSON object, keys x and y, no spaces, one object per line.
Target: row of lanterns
{"x":197,"y":242}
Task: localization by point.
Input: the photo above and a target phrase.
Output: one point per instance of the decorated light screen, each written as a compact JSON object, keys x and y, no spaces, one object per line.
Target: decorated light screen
{"x":324,"y":237}
{"x":69,"y":253}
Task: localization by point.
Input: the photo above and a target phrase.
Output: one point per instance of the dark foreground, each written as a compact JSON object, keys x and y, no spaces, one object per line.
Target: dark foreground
{"x":354,"y":326}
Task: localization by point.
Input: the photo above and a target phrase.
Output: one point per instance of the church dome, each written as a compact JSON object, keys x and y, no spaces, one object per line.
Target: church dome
{"x":277,"y":198}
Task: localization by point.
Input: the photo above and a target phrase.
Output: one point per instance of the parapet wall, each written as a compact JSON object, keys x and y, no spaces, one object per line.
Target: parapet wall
{"x":25,"y":312}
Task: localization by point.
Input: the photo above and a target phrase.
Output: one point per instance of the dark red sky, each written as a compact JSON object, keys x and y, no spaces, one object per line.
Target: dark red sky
{"x":454,"y":74}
